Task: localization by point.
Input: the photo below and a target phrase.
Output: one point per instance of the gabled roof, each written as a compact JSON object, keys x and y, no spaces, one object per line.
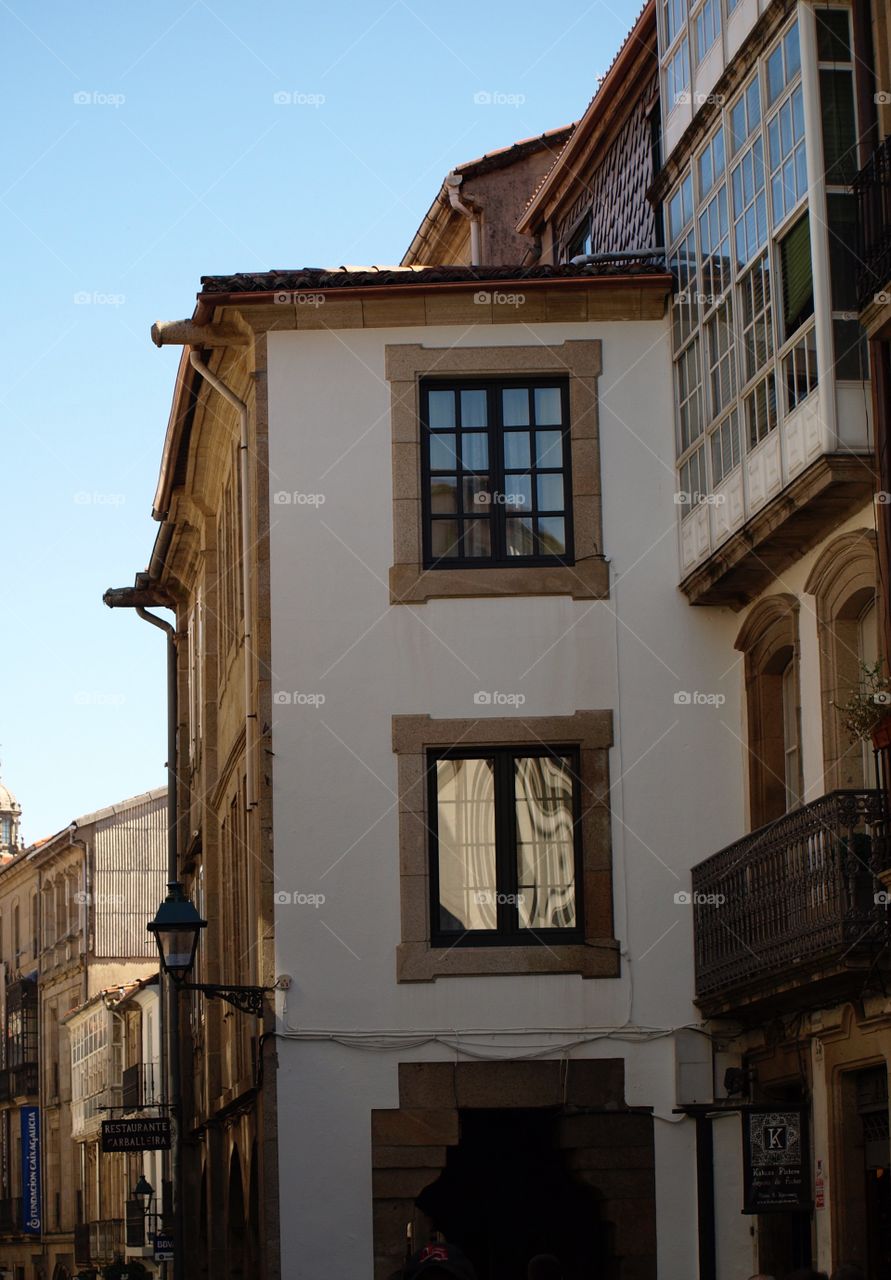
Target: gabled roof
{"x":603,"y":103}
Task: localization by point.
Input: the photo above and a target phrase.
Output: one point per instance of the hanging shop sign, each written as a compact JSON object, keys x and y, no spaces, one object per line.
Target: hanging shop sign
{"x":776,"y":1172}
{"x":136,"y":1135}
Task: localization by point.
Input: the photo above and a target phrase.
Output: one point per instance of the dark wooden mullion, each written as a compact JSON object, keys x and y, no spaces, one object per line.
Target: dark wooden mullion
{"x":506,"y":882}
{"x":498,"y":534}
{"x":433,"y":825}
{"x":512,"y":880}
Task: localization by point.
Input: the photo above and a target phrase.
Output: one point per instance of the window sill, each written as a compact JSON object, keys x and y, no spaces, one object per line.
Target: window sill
{"x":585,"y":580}
{"x":419,"y":962}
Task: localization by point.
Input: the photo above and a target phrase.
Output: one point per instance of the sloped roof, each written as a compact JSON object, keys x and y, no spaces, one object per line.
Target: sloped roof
{"x":320,"y":279}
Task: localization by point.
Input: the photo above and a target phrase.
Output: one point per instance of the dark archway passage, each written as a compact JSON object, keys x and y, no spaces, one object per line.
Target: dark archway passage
{"x":501,"y":1156}
{"x":505,"y":1195}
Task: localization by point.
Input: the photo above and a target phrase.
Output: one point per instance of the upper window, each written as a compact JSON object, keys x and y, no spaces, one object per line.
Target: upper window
{"x":582,"y":239}
{"x":504,"y":846}
{"x":788,"y":169}
{"x":708,"y":27}
{"x":745,"y":115}
{"x":496,"y":469}
{"x":783,"y":65}
{"x":675,"y":12}
{"x":710,"y":165}
{"x":677,"y":76}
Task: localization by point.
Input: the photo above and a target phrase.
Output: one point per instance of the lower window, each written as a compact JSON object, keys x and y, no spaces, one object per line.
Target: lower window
{"x":505,"y":846}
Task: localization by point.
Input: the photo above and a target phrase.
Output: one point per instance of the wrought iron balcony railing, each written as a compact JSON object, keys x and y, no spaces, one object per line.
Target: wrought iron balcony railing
{"x":23,"y":1082}
{"x":106,"y":1240}
{"x":795,"y":897}
{"x":140,"y":1086}
{"x":872,"y":186}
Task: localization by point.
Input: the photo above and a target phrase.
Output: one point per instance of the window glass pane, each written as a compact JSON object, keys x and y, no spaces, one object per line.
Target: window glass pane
{"x":474,"y":409}
{"x":833,"y":41}
{"x":775,"y":74}
{"x":442,"y":453}
{"x":515,"y":406}
{"x":839,"y":126}
{"x":444,"y":495}
{"x":475,"y":451}
{"x":518,"y":493}
{"x":850,"y":350}
{"x":444,"y":539}
{"x":843,"y":261}
{"x":550,"y":493}
{"x":798,"y":281}
{"x":792,"y":53}
{"x":441,"y":409}
{"x":520,"y":541}
{"x":516,"y":449}
{"x":545,"y":843}
{"x":477,"y":497}
{"x":468,"y":887}
{"x":548,"y":406}
{"x":549,"y":448}
{"x":476,"y":538}
{"x":552,"y":535}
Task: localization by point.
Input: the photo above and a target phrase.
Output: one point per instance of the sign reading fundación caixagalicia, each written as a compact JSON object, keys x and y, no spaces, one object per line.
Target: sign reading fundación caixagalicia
{"x":136,"y":1135}
{"x":30,"y":1118}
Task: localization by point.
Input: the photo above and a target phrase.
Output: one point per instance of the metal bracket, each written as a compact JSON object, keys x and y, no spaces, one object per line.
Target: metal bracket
{"x":245,"y":999}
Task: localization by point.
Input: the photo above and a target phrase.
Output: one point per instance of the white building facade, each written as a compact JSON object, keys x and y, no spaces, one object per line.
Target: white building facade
{"x":384,"y":679}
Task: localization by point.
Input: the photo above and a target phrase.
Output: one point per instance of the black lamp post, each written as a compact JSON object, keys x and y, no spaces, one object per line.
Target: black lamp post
{"x":176,"y":928}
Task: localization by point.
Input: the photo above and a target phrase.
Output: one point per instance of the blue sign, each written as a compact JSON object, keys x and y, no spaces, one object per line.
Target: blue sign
{"x":30,"y":1117}
{"x":163,"y":1249}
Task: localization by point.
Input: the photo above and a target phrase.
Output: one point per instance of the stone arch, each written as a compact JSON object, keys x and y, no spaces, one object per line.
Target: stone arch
{"x":236,"y":1242}
{"x":604,"y":1148}
{"x":768,"y":640}
{"x":843,"y":583}
{"x":253,"y":1214}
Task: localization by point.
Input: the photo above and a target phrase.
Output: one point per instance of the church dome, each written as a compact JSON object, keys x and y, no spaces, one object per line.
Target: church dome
{"x":8,"y":802}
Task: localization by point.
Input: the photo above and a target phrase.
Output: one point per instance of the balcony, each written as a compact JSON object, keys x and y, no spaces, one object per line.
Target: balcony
{"x":790,"y":491}
{"x":106,"y":1240}
{"x":140,"y":1086}
{"x":792,"y":907}
{"x":23,"y":1083}
{"x":873,"y":189}
{"x":11,"y":1216}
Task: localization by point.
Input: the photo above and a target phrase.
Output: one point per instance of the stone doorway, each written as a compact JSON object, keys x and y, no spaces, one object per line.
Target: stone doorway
{"x":517,"y":1158}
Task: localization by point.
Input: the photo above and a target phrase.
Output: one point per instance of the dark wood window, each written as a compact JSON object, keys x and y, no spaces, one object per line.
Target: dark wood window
{"x":496,"y":473}
{"x":505,"y":847}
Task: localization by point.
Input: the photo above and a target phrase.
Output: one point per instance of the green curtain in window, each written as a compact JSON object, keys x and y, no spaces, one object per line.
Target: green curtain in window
{"x":839,"y":127}
{"x":798,"y":280}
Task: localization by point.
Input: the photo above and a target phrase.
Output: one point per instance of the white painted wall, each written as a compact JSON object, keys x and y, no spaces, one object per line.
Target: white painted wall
{"x":676,"y":770}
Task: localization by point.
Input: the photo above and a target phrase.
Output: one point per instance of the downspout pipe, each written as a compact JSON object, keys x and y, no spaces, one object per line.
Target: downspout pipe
{"x":239,"y":405}
{"x":453,"y":187}
{"x":171,"y":1062}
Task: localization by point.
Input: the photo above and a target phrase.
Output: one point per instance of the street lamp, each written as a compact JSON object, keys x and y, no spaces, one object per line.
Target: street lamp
{"x":176,"y":927}
{"x":143,"y":1189}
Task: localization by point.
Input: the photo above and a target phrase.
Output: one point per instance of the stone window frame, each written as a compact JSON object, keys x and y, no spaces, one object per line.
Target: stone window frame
{"x":768,"y":640}
{"x":842,"y":581}
{"x":578,"y":359}
{"x":597,"y":955}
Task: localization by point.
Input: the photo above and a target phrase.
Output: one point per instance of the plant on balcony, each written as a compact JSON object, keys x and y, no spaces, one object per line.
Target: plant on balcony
{"x":865,"y":708}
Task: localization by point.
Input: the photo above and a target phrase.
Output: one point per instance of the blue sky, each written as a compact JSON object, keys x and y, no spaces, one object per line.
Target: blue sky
{"x":146,"y":145}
